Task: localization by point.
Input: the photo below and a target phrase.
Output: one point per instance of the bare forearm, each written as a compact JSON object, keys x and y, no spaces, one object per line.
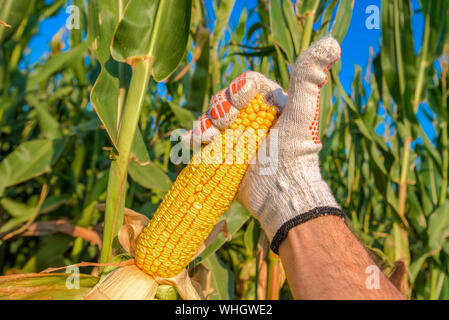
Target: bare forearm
{"x":324,"y":260}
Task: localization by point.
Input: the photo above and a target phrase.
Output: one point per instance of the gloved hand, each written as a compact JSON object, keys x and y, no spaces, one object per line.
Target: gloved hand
{"x":289,"y":190}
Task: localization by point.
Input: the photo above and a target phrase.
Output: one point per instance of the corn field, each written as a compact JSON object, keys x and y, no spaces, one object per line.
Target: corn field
{"x":83,"y":112}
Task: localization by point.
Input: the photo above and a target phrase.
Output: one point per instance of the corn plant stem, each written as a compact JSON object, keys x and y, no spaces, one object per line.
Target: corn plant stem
{"x":121,"y":93}
{"x":433,"y":184}
{"x":402,"y":201}
{"x":116,"y":191}
{"x":403,"y":181}
{"x":404,"y":248}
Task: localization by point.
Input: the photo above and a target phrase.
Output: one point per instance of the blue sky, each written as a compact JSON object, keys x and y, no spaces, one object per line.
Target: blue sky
{"x":355,"y":47}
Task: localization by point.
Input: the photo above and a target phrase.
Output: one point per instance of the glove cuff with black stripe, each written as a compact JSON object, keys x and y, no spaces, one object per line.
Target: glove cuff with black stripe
{"x":296,"y":195}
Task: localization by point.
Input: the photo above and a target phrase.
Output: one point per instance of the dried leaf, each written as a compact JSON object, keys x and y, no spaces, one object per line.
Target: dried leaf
{"x":63,"y":226}
{"x":4,"y":24}
{"x":92,"y":264}
{"x":399,"y":276}
{"x":277,"y":276}
{"x":262,"y":267}
{"x":202,"y":280}
{"x":133,"y":225}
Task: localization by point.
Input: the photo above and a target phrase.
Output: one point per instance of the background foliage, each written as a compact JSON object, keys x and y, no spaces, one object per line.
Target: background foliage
{"x":390,"y":178}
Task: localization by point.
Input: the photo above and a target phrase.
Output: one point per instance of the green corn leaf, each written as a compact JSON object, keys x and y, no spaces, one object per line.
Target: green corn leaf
{"x":435,"y":30}
{"x":236,"y":216}
{"x":139,"y":150}
{"x":48,"y":124}
{"x":326,"y":19}
{"x":438,"y":229}
{"x":282,"y":70}
{"x":55,"y":64}
{"x":307,"y":6}
{"x":251,"y":236}
{"x":431,"y":150}
{"x":240,"y":31}
{"x":222,"y":279}
{"x":108,"y":93}
{"x":29,"y":160}
{"x":397,"y":53}
{"x":17,"y":209}
{"x":199,"y":83}
{"x":416,"y":266}
{"x":184,"y":116}
{"x":12,"y":13}
{"x":223,"y":13}
{"x":415,"y":214}
{"x":19,"y":212}
{"x":50,"y":253}
{"x":155,"y":30}
{"x":307,"y":10}
{"x":280,"y":31}
{"x":342,"y":20}
{"x":149,"y":176}
{"x":293,"y":26}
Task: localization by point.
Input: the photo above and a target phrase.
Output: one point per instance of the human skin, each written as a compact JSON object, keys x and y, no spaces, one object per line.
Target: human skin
{"x":324,"y":260}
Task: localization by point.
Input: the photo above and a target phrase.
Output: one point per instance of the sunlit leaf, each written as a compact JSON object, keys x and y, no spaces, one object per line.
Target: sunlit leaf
{"x":222,"y":279}
{"x":438,"y":229}
{"x":155,"y":30}
{"x":12,"y":12}
{"x":149,"y":176}
{"x":280,"y":30}
{"x":342,"y":19}
{"x":29,"y":160}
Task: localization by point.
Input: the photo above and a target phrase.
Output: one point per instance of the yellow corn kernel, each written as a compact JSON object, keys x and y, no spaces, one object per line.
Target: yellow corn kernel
{"x":199,"y":196}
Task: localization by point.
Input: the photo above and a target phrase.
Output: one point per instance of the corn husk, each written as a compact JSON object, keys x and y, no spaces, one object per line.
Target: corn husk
{"x":124,"y":283}
{"x":131,"y":283}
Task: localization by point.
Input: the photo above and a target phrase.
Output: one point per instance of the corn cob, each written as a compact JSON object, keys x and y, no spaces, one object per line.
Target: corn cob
{"x":202,"y":192}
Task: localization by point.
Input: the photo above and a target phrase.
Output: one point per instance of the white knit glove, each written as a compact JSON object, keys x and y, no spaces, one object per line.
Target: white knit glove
{"x":288,"y":189}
